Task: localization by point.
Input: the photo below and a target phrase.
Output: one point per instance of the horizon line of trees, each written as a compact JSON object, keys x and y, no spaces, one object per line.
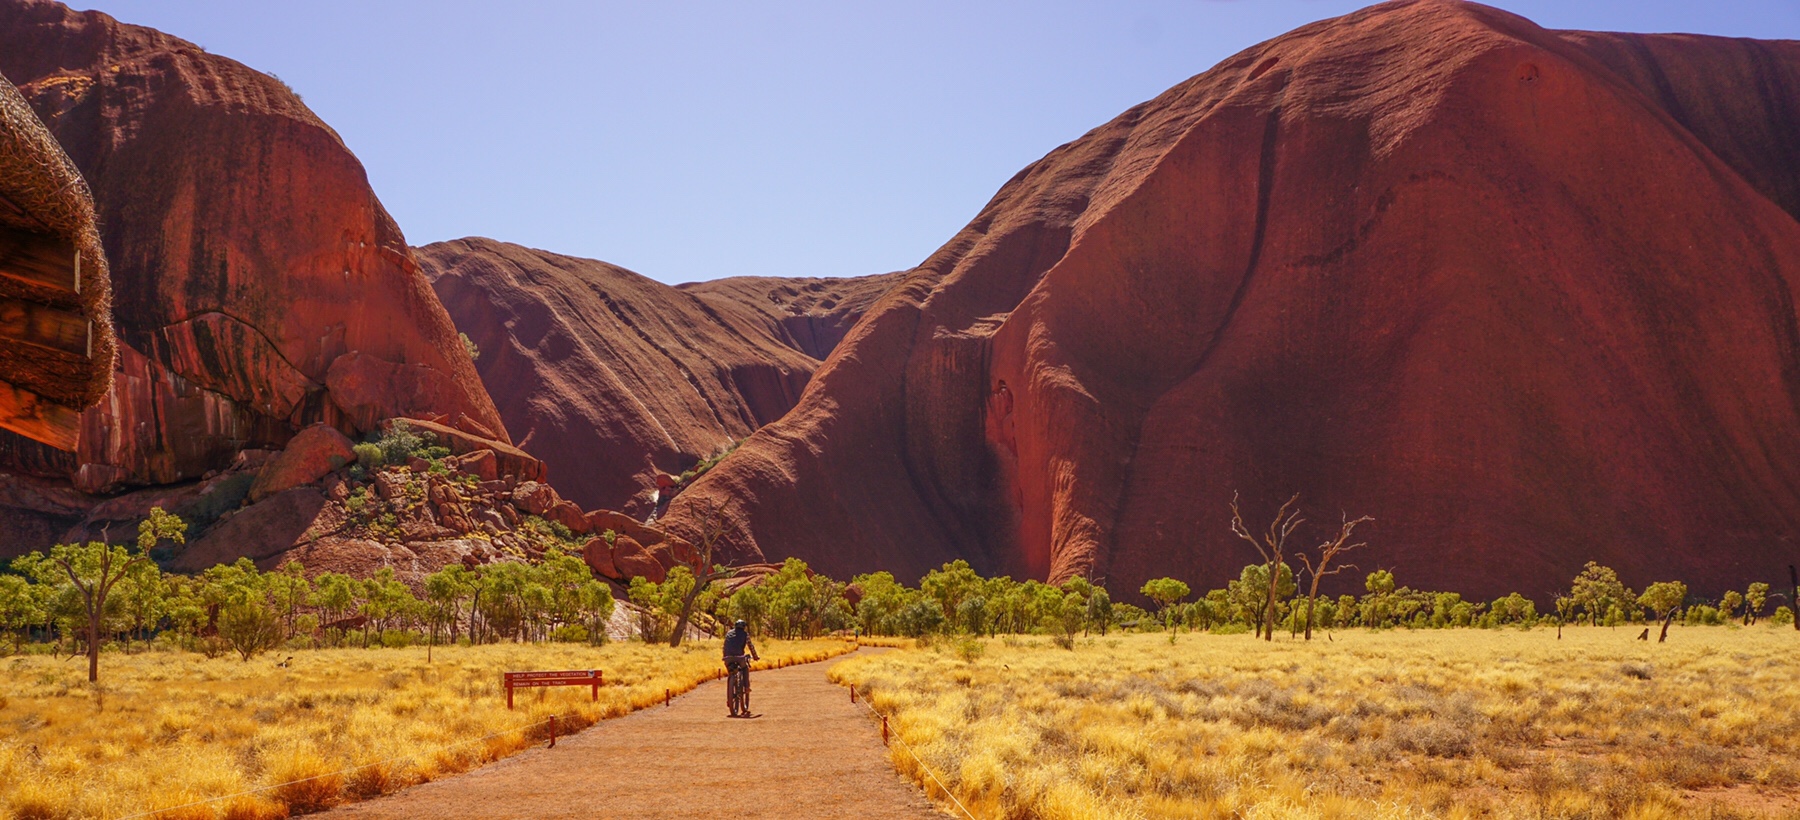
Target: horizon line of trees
{"x":82,"y":597}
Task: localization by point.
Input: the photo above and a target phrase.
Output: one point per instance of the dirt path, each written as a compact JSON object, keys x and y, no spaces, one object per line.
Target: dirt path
{"x":811,"y":754}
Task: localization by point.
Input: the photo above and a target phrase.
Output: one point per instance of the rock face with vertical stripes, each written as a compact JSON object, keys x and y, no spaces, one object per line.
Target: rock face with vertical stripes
{"x":259,"y":286}
{"x":610,"y":377}
{"x":1527,"y":297}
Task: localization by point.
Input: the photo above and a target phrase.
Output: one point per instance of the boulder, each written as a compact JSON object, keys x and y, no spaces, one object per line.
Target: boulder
{"x":633,"y":561}
{"x":262,"y":530}
{"x":565,"y":512}
{"x":667,"y":548}
{"x":312,"y":454}
{"x":390,"y":485}
{"x":598,"y":555}
{"x":535,"y":498}
{"x":481,"y":463}
{"x":491,"y":519}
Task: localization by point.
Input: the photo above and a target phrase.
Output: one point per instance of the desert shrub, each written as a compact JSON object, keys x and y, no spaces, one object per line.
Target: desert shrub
{"x":1437,"y":738}
{"x":570,"y":633}
{"x":970,"y":649}
{"x":399,"y":442}
{"x":369,"y":455}
{"x":248,"y":627}
{"x":1703,"y":615}
{"x":1637,"y":669}
{"x":546,"y":530}
{"x":1782,"y":617}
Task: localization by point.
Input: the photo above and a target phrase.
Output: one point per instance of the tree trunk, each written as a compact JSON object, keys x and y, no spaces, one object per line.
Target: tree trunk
{"x":93,"y":646}
{"x":1794,"y":602}
{"x":1269,"y":607}
{"x":1664,"y":635}
{"x":687,"y":607}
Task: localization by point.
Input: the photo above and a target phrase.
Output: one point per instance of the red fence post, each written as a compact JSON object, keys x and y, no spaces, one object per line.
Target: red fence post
{"x":852,"y":694}
{"x":596,"y":696}
{"x":884,"y":730}
{"x":667,"y":696}
{"x":509,"y":690}
{"x":552,"y":733}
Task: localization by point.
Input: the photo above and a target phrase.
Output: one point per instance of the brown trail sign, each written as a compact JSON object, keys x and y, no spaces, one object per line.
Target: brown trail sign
{"x":531,"y":680}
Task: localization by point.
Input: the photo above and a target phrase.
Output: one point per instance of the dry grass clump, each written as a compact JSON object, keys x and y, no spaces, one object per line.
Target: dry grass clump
{"x":165,"y":729}
{"x":1499,"y":723}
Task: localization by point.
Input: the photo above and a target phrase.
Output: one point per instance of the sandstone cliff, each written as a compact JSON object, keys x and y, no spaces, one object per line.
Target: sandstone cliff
{"x":1525,"y":296}
{"x":611,"y":377}
{"x":259,"y":284}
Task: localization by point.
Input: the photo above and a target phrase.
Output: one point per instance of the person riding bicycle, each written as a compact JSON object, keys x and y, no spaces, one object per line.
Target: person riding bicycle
{"x":737,"y":643}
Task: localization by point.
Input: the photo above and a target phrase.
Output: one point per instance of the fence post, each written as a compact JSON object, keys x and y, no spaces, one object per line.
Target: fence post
{"x":667,"y":696}
{"x":509,"y":691}
{"x":884,"y":730}
{"x":552,"y":733}
{"x":597,"y":679}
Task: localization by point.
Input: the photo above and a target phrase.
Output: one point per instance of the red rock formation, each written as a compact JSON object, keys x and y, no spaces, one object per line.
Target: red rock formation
{"x":311,"y":455}
{"x":259,"y":285}
{"x":609,"y":376}
{"x":1526,"y":297}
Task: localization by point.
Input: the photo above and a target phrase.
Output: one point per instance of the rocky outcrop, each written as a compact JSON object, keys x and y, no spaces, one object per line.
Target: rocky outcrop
{"x":259,"y":286}
{"x":611,"y":377}
{"x":313,"y":453}
{"x":1527,"y":297}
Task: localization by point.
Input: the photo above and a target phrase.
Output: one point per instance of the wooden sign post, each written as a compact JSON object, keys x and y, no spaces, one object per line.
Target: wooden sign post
{"x":531,"y":680}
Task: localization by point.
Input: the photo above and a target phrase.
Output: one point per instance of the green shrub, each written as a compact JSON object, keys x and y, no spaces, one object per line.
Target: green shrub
{"x":1782,"y":617}
{"x":398,"y":442}
{"x":570,"y":633}
{"x":369,"y":456}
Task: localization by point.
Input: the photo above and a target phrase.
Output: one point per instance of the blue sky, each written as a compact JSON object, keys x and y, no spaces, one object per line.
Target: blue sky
{"x":694,"y":140}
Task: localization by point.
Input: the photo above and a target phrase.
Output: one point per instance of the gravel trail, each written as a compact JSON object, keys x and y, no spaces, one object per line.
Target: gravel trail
{"x":811,"y":754}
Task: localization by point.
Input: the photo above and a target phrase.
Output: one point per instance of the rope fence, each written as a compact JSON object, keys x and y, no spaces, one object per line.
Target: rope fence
{"x":409,"y":755}
{"x":885,"y":734}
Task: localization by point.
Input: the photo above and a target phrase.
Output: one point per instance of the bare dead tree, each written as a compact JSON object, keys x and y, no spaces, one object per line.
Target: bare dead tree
{"x":713,"y":523}
{"x":1272,"y":546}
{"x":1328,"y":552}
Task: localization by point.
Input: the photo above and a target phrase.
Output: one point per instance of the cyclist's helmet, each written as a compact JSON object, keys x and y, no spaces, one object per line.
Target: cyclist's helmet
{"x":740,"y":624}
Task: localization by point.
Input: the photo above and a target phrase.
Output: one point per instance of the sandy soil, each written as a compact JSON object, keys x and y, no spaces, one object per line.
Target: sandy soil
{"x":810,"y":754}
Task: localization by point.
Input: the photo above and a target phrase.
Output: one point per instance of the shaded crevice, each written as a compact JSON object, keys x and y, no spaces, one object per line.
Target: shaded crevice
{"x":1265,"y":183}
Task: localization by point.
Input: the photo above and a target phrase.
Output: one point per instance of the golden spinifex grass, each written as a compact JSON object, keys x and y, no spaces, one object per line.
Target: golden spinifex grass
{"x":167,"y":728}
{"x":1464,"y":723}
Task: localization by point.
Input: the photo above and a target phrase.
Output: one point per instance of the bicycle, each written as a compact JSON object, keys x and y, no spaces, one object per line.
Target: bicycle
{"x":737,"y":685}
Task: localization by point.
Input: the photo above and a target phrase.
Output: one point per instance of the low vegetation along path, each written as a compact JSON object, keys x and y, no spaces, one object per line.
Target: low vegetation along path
{"x":812,"y":753}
